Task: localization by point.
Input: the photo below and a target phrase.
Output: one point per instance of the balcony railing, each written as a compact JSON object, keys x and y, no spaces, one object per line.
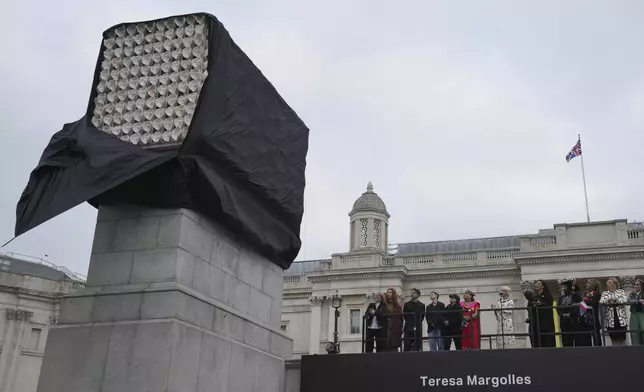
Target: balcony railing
{"x":544,"y":329}
{"x":462,"y":258}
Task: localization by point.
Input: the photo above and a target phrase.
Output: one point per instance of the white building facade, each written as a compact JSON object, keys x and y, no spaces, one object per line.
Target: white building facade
{"x":581,"y":250}
{"x":29,"y":305}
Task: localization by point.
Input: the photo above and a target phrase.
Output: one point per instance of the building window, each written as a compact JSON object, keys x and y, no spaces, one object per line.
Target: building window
{"x":363,"y":232}
{"x":354,"y":322}
{"x":34,"y":339}
{"x":376,"y":233}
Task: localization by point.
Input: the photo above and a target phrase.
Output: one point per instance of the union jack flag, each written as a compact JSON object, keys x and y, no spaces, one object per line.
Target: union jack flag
{"x":575,"y":152}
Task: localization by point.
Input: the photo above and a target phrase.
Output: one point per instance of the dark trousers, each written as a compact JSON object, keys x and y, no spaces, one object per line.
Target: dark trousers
{"x":375,"y":337}
{"x":585,"y":339}
{"x":413,"y":340}
{"x":567,"y":334}
{"x":452,"y":336}
{"x":546,"y":339}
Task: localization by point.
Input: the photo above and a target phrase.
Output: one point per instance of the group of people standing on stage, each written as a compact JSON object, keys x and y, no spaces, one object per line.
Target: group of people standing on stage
{"x":582,"y":315}
{"x":391,"y":325}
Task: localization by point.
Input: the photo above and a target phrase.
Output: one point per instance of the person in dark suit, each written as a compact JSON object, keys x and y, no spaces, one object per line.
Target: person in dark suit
{"x":453,"y":322}
{"x":590,"y":320}
{"x":435,"y":322}
{"x":532,"y":317}
{"x":568,"y":310}
{"x":375,"y":324}
{"x":414,"y":314}
{"x":545,"y":321}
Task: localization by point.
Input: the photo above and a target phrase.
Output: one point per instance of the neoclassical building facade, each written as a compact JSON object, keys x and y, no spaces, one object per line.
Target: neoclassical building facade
{"x":30,"y":294}
{"x":581,"y":250}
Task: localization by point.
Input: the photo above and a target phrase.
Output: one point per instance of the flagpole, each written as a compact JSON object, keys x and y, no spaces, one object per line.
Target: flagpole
{"x":583,"y":176}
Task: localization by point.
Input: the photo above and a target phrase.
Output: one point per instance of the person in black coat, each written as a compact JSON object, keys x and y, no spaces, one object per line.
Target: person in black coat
{"x":453,"y":321}
{"x":375,"y":323}
{"x":532,"y":317}
{"x":590,"y":319}
{"x":435,"y":322}
{"x":568,"y":310}
{"x":414,"y":314}
{"x":545,"y":321}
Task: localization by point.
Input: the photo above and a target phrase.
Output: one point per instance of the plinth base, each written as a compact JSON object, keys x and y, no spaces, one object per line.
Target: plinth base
{"x":172,"y":303}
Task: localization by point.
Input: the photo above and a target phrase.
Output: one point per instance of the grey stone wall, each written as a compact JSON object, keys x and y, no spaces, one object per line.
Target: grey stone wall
{"x":172,"y":303}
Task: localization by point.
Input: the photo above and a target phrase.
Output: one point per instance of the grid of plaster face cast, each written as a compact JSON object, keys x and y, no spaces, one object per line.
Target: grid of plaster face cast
{"x":150,"y":80}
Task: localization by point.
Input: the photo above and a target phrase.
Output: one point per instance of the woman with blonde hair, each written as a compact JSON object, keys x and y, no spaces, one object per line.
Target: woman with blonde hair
{"x":504,"y":325}
{"x":615,"y":320}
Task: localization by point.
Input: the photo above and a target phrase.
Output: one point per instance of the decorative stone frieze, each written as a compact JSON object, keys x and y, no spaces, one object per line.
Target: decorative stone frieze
{"x":375,"y":275}
{"x":527,"y":285}
{"x":317,"y":300}
{"x":626,"y":282}
{"x":579,"y":258}
{"x":463,"y":275}
{"x":19,"y":315}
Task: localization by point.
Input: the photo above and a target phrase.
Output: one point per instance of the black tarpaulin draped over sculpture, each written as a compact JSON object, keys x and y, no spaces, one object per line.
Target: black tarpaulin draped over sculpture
{"x":180,"y":117}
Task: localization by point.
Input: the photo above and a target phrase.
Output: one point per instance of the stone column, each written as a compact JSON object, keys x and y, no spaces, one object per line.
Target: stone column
{"x":316,"y":324}
{"x":17,"y":322}
{"x":172,"y":303}
{"x":331,"y":328}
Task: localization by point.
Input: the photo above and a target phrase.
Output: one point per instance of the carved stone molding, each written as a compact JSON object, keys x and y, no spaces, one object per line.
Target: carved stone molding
{"x":293,"y":296}
{"x":464,"y":275}
{"x":574,"y":258}
{"x":527,"y":285}
{"x":374,"y":275}
{"x":317,"y":300}
{"x":19,"y":315}
{"x":53,"y":320}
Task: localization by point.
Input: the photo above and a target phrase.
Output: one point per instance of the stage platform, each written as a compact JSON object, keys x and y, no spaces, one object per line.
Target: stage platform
{"x":516,"y":370}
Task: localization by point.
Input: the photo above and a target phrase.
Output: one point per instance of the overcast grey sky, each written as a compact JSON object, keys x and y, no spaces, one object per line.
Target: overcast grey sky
{"x":460,"y":112}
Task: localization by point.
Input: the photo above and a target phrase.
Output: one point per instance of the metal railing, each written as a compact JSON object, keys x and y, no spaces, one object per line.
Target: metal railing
{"x":547,"y":326}
{"x":39,"y":260}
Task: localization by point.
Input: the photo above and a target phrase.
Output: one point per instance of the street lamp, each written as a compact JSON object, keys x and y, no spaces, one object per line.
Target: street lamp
{"x":336,"y":303}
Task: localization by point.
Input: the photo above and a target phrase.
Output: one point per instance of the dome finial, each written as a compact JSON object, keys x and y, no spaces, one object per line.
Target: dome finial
{"x":369,"y":187}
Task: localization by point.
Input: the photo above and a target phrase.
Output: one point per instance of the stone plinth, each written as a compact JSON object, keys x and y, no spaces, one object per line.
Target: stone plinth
{"x":172,"y":303}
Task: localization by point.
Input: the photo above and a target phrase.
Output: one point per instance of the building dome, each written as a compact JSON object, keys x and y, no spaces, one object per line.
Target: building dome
{"x":369,"y":201}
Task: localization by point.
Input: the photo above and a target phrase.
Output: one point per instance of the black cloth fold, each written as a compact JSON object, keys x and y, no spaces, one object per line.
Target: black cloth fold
{"x":242,"y":163}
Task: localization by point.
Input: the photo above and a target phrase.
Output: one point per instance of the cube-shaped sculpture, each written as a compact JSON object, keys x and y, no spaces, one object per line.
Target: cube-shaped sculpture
{"x":180,"y":117}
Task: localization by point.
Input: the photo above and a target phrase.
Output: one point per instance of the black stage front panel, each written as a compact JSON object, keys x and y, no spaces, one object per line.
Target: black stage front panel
{"x":516,"y":370}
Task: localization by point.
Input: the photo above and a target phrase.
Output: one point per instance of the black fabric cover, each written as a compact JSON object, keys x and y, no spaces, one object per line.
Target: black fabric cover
{"x":242,"y":163}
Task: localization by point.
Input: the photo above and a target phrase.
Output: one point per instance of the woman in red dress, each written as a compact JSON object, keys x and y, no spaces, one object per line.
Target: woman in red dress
{"x":471,"y":329}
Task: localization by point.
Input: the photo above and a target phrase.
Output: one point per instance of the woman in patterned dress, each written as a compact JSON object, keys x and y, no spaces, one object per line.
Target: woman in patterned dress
{"x":615,"y":320}
{"x":504,"y":325}
{"x":471,"y":329}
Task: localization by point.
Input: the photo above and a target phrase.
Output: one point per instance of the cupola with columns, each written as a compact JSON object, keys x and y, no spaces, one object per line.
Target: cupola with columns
{"x":369,"y":222}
